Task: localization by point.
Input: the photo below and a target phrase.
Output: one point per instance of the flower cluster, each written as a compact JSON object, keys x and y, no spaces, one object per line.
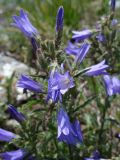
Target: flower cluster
{"x":59,"y":82}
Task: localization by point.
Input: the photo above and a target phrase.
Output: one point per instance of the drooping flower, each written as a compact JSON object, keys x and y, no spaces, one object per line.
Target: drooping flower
{"x":78,"y":52}
{"x":113,"y":3}
{"x":82,"y":53}
{"x":53,"y":95}
{"x":6,"y":135}
{"x":19,"y":154}
{"x":59,"y":19}
{"x":97,"y":69}
{"x":112,"y":85}
{"x":59,"y":84}
{"x":95,"y":156}
{"x":29,"y":84}
{"x":63,"y":82}
{"x":72,"y":49}
{"x":18,"y":116}
{"x":23,"y":23}
{"x":82,"y":35}
{"x":67,"y":132}
{"x":14,"y":155}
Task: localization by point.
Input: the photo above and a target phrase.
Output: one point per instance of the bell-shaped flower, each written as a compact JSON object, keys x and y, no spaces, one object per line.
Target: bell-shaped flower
{"x":27,"y":83}
{"x":59,"y":19}
{"x":82,"y":35}
{"x":6,"y":136}
{"x":68,"y":132}
{"x":16,"y":155}
{"x":72,"y":49}
{"x":18,"y":116}
{"x":23,"y":23}
{"x":112,"y":85}
{"x":78,"y":52}
{"x":13,"y":155}
{"x":59,"y":84}
{"x":63,"y":82}
{"x":97,"y":69}
{"x":53,"y":95}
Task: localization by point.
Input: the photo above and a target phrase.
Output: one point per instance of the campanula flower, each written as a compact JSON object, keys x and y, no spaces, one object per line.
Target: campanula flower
{"x":14,"y":155}
{"x":59,"y":19}
{"x":78,"y":52}
{"x":23,"y":23}
{"x":96,"y":156}
{"x":81,"y":35}
{"x":113,"y":3}
{"x":63,"y":82}
{"x":72,"y":49}
{"x":59,"y":84}
{"x":29,"y":84}
{"x":97,"y":69}
{"x":67,"y":132}
{"x":82,"y":52}
{"x":18,"y":116}
{"x":19,"y":154}
{"x":112,"y":85}
{"x":53,"y":94}
{"x":6,"y":135}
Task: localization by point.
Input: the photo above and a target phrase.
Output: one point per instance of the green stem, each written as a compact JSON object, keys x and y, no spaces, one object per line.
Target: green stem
{"x":102,"y":125}
{"x":104,"y":111}
{"x":70,"y":153}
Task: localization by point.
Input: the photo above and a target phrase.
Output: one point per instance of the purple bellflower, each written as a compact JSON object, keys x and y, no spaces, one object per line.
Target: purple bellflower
{"x":72,"y":49}
{"x":29,"y":84}
{"x":18,"y":116}
{"x":59,"y":19}
{"x":63,"y":82}
{"x":23,"y":23}
{"x":14,"y":155}
{"x":112,"y":85}
{"x":59,"y":84}
{"x":6,"y":135}
{"x":113,"y":3}
{"x":97,"y":69}
{"x":67,"y":132}
{"x":96,"y":156}
{"x":78,"y":52}
{"x":82,"y":52}
{"x":53,"y":95}
{"x":81,"y":35}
